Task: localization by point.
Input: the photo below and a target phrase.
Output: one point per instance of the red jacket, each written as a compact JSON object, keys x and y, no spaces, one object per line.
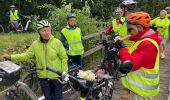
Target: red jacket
{"x":145,"y":53}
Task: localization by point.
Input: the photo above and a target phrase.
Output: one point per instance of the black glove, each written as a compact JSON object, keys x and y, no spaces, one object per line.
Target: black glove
{"x":154,"y":27}
{"x":125,"y":67}
{"x":119,"y":44}
{"x":168,"y":17}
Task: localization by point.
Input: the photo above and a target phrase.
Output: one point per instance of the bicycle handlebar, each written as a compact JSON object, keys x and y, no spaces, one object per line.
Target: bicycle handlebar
{"x":101,"y":82}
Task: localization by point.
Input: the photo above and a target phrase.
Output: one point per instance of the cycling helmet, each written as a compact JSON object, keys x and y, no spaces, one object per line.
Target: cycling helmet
{"x":167,"y":8}
{"x":12,"y":6}
{"x":70,"y":15}
{"x":42,"y":24}
{"x":128,"y":2}
{"x":141,"y":18}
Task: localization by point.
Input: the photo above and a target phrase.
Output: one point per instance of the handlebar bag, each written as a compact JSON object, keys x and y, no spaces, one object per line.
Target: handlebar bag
{"x":9,"y":73}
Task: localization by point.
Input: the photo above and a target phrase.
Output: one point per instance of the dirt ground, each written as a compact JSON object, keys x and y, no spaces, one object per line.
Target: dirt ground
{"x":164,"y":79}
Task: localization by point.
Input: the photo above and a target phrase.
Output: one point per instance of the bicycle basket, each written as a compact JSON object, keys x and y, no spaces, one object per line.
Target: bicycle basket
{"x":9,"y":73}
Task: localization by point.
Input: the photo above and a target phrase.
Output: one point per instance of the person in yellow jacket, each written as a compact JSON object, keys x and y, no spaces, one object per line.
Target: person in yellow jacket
{"x":47,"y":51}
{"x":168,"y":16}
{"x":72,"y":40}
{"x":118,"y":26}
{"x":142,"y":77}
{"x":14,"y":15}
{"x":162,"y":24}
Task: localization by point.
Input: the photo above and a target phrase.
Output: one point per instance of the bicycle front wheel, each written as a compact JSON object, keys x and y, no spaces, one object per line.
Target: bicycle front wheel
{"x":69,"y":93}
{"x":31,"y":80}
{"x":20,"y":28}
{"x":12,"y":97}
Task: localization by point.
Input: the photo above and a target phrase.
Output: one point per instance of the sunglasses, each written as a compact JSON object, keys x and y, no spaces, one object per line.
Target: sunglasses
{"x":129,"y":29}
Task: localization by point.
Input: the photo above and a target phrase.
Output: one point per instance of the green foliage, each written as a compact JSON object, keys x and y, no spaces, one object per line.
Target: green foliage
{"x":57,"y":17}
{"x":153,"y":7}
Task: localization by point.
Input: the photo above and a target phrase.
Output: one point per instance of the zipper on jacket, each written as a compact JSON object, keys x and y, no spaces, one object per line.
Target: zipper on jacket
{"x":45,"y":52}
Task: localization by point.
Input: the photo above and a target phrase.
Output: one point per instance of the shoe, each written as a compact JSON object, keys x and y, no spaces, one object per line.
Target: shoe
{"x":162,"y":56}
{"x":126,"y":97}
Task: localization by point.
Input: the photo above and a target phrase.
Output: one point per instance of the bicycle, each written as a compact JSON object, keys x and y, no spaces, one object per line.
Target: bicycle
{"x":1,"y":29}
{"x":91,"y":90}
{"x":31,"y":22}
{"x":29,"y":83}
{"x":20,"y":27}
{"x":110,"y":61}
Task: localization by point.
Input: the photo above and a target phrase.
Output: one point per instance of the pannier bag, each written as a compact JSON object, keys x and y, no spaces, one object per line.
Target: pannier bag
{"x":9,"y":73}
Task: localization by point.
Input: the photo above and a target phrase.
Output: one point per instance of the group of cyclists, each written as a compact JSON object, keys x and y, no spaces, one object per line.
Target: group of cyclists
{"x":141,"y":59}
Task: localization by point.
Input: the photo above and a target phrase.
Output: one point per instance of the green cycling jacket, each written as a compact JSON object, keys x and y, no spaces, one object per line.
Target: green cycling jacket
{"x":162,"y":25}
{"x":51,"y":54}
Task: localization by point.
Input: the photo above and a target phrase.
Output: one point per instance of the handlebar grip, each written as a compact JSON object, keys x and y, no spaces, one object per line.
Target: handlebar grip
{"x":54,"y":70}
{"x":60,"y":73}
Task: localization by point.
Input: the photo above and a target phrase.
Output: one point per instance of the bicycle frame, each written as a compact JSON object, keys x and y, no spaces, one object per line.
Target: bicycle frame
{"x":24,"y":87}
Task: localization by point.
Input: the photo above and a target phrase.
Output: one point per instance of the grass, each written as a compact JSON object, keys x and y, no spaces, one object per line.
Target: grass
{"x":16,"y":43}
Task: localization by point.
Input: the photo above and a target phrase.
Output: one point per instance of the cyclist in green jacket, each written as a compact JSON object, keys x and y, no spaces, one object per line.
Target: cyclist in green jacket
{"x":168,"y":15}
{"x":162,"y":23}
{"x":48,"y":51}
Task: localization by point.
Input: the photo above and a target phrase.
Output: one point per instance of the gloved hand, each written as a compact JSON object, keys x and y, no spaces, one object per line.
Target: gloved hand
{"x":117,"y":38}
{"x":65,"y":76}
{"x":169,"y":17}
{"x":154,"y":27}
{"x":119,"y":44}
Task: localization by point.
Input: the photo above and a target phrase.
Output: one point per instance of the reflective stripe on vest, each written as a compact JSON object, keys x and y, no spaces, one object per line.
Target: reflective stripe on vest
{"x":144,"y":82}
{"x":79,"y":50}
{"x":74,"y":41}
{"x":14,"y":15}
{"x":147,"y":87}
{"x":140,"y":73}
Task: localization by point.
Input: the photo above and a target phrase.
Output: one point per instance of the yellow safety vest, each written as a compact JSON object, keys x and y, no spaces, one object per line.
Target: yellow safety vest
{"x":143,"y":82}
{"x":14,"y":15}
{"x":74,"y":41}
{"x":121,"y":30}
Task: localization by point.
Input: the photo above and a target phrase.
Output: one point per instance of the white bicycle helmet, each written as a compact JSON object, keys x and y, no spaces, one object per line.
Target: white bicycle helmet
{"x":167,"y":8}
{"x":42,"y":24}
{"x":128,"y":2}
{"x":12,"y":6}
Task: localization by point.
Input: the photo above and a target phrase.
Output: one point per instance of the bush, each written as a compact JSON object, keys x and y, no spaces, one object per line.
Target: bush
{"x":57,"y":18}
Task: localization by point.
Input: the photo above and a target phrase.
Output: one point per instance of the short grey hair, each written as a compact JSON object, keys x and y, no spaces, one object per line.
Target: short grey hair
{"x":164,"y":11}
